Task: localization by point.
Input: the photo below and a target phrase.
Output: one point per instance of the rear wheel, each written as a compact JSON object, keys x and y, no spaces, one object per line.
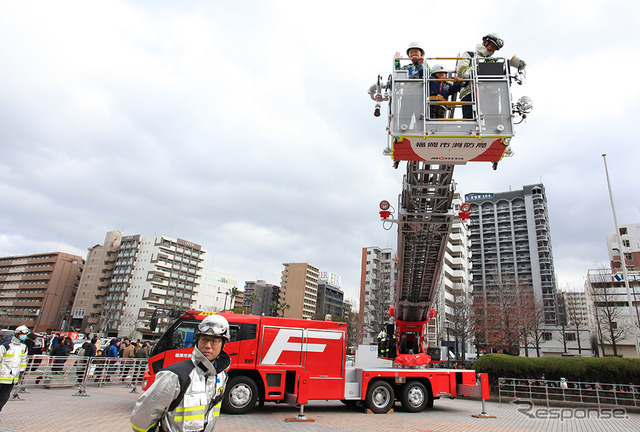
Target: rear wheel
{"x":414,"y":396}
{"x":241,"y":395}
{"x":380,"y":397}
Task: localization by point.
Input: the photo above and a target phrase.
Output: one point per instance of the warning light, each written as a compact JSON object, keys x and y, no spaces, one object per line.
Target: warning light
{"x":465,"y":209}
{"x":384,"y":209}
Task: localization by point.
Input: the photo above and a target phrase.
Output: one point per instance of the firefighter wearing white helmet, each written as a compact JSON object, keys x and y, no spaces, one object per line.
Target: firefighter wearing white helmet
{"x":490,"y":44}
{"x":199,"y":383}
{"x":13,"y":362}
{"x":417,"y":67}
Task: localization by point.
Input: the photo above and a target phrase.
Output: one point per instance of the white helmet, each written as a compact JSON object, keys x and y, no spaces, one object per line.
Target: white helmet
{"x":214,"y":325}
{"x":21,"y":330}
{"x":416,"y":45}
{"x":438,"y":68}
{"x":495,"y":39}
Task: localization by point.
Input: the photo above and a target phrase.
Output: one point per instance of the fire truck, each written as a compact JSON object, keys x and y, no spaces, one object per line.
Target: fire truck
{"x":297,"y":361}
{"x":276,"y":359}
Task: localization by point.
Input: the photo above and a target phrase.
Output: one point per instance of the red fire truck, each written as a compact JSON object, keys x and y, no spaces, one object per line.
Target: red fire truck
{"x":297,"y":361}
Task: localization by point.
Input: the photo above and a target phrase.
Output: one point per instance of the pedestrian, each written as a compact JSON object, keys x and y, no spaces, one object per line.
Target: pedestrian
{"x":13,"y":362}
{"x":141,"y":354}
{"x":490,"y":44}
{"x":203,"y":378}
{"x":60,"y":352}
{"x":128,"y":353}
{"x":112,"y":357}
{"x":33,"y":352}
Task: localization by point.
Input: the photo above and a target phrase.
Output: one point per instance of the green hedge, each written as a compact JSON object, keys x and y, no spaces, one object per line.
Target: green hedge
{"x":586,"y":369}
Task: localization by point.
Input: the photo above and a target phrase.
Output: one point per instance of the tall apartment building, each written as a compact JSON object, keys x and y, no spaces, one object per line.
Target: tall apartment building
{"x":330,"y":296}
{"x":94,"y":284}
{"x":215,"y":291}
{"x":510,"y":236}
{"x":454,"y":289}
{"x":299,"y":289}
{"x":630,"y":237}
{"x":378,"y":283}
{"x":38,"y":290}
{"x":266,"y":293}
{"x":147,"y":273}
{"x":575,"y":303}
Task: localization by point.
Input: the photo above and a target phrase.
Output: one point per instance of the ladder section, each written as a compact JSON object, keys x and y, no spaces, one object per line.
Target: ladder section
{"x":424,"y":224}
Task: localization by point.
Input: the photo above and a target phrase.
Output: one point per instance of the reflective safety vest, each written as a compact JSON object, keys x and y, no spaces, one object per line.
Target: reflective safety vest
{"x":185,"y":396}
{"x":14,"y":360}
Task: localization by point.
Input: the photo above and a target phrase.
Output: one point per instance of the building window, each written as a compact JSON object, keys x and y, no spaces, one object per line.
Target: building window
{"x":547,"y":336}
{"x":623,"y":231}
{"x":571,"y":337}
{"x":626,"y":243}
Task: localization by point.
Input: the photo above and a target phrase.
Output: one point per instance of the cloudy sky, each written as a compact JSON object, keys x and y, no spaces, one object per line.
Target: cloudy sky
{"x":246,"y":126}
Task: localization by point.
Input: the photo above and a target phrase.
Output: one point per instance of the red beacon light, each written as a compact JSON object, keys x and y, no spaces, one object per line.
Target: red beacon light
{"x":384,"y":209}
{"x":465,"y":210}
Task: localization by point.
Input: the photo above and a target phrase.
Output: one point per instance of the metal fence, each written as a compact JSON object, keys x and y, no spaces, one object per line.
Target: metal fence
{"x":81,"y":372}
{"x":575,"y":392}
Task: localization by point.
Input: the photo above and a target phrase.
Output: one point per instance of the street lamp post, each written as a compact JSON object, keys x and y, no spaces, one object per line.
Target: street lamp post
{"x":624,"y":265}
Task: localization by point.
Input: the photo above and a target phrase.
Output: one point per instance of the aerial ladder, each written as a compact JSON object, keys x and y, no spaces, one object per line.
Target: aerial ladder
{"x":432,"y":147}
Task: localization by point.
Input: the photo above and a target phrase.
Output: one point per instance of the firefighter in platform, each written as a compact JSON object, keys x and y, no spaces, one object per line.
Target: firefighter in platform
{"x":187,"y":396}
{"x":417,"y":67}
{"x":13,"y":362}
{"x":490,"y":44}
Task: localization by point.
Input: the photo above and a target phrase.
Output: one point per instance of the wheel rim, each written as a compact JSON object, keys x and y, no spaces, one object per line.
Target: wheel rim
{"x":240,"y":395}
{"x":380,"y":397}
{"x":415,"y":397}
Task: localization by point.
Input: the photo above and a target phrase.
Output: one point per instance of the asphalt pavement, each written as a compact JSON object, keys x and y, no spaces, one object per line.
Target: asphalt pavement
{"x":108,"y":409}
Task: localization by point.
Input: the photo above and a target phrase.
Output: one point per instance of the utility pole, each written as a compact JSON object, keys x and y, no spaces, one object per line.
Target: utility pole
{"x":632,"y":315}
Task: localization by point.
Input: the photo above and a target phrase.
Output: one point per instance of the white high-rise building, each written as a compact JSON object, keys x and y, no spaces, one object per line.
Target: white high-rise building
{"x":147,"y":273}
{"x":454,"y":288}
{"x":378,"y":282}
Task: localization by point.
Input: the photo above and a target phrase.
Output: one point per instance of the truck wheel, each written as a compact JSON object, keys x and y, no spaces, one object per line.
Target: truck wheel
{"x":414,"y":396}
{"x":240,"y":396}
{"x":380,"y":397}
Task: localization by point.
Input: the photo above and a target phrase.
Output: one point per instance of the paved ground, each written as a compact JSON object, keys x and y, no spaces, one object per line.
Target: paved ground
{"x":108,"y":409}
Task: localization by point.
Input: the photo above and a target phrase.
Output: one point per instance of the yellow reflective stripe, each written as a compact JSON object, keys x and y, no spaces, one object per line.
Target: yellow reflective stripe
{"x":190,"y":417}
{"x":8,"y":379}
{"x":195,"y":408}
{"x":137,"y":429}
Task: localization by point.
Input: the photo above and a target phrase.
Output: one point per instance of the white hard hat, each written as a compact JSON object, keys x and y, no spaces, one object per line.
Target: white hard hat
{"x":214,"y":325}
{"x":437,"y":68}
{"x":417,"y":45}
{"x":495,"y":39}
{"x":21,"y":330}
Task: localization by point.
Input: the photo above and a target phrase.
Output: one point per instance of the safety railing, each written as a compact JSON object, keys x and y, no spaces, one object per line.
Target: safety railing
{"x":575,"y":392}
{"x":81,"y":372}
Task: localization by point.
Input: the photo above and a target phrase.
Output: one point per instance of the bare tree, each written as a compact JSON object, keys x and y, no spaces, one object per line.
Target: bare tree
{"x":606,"y":310}
{"x":377,"y":300}
{"x":461,"y":327}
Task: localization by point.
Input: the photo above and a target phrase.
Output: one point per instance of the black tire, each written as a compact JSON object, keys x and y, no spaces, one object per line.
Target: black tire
{"x":240,"y":395}
{"x":414,"y":396}
{"x":380,"y":397}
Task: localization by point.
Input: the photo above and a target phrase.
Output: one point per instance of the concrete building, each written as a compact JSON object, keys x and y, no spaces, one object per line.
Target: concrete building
{"x":267,"y":293}
{"x":453,"y":297}
{"x":378,"y":282}
{"x":610,"y":319}
{"x":510,"y":235}
{"x":299,"y":289}
{"x":94,"y":284}
{"x":630,"y":237}
{"x":38,"y":290}
{"x":330,"y":296}
{"x":148,"y":273}
{"x":215,"y":291}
